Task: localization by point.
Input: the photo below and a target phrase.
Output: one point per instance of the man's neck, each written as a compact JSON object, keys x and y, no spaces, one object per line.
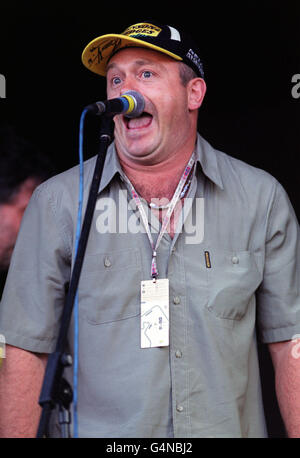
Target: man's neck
{"x":157,"y":181}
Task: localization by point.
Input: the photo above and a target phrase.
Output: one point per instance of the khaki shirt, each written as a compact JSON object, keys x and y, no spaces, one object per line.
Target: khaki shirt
{"x":234,"y":262}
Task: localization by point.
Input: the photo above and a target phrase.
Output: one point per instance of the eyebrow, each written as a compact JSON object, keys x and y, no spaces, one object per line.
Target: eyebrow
{"x":138,"y":63}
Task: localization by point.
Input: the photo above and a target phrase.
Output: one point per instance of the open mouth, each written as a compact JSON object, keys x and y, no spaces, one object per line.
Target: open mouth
{"x":141,"y":122}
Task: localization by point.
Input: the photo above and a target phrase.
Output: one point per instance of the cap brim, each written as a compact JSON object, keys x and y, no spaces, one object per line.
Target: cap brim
{"x":97,"y":53}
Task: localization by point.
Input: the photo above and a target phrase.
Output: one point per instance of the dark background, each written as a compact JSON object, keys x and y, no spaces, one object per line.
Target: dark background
{"x":250,"y":51}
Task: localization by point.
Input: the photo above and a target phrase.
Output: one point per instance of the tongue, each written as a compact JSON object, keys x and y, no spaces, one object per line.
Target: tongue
{"x":137,"y":123}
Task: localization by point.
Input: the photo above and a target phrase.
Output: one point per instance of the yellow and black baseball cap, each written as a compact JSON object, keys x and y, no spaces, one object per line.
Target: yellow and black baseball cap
{"x":163,"y":38}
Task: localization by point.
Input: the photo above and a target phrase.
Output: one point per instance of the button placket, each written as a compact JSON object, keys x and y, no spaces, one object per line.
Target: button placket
{"x":178,"y":329}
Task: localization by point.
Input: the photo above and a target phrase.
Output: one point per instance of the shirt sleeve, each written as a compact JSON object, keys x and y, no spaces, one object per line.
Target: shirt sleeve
{"x":34,"y":292}
{"x":278,"y":296}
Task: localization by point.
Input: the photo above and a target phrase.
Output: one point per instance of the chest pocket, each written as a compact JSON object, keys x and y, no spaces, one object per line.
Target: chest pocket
{"x":233,"y":279}
{"x":109,"y":288}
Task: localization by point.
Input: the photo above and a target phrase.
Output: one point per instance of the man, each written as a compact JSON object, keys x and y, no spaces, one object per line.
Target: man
{"x":167,"y":343}
{"x":22,"y":169}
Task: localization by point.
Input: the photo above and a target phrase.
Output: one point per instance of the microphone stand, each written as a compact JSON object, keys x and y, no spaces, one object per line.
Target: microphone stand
{"x":55,"y":389}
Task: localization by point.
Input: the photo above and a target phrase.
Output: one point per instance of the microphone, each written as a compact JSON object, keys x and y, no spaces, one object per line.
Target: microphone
{"x":131,"y":104}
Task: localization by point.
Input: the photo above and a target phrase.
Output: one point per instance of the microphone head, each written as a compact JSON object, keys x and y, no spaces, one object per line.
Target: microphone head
{"x":139,"y":104}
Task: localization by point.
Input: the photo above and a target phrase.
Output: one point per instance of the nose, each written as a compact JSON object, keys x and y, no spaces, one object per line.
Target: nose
{"x":129,"y":84}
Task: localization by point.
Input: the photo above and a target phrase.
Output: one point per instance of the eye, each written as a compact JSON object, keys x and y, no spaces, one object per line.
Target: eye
{"x":116,"y":80}
{"x":146,"y":74}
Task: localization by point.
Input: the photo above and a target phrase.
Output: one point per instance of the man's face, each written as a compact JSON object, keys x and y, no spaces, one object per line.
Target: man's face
{"x":167,"y":123}
{"x":10,"y":219}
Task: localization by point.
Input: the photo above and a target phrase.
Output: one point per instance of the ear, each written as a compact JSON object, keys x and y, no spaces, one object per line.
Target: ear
{"x":196,"y":91}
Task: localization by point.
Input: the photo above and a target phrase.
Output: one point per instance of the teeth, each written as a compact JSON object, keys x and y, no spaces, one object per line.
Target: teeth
{"x":143,"y":114}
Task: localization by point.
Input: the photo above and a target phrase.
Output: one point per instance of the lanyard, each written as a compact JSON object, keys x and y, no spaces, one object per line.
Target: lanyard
{"x":176,"y":197}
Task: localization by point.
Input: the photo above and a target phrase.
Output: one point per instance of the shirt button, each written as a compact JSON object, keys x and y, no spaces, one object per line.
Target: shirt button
{"x":107,"y":261}
{"x":179,"y":408}
{"x":176,"y":300}
{"x":235,"y":260}
{"x":173,"y":249}
{"x":178,"y":354}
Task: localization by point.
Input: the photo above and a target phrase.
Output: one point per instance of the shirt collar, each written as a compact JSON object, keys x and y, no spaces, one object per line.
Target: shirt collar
{"x":208,"y":160}
{"x":111,"y":167}
{"x":205,"y":154}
